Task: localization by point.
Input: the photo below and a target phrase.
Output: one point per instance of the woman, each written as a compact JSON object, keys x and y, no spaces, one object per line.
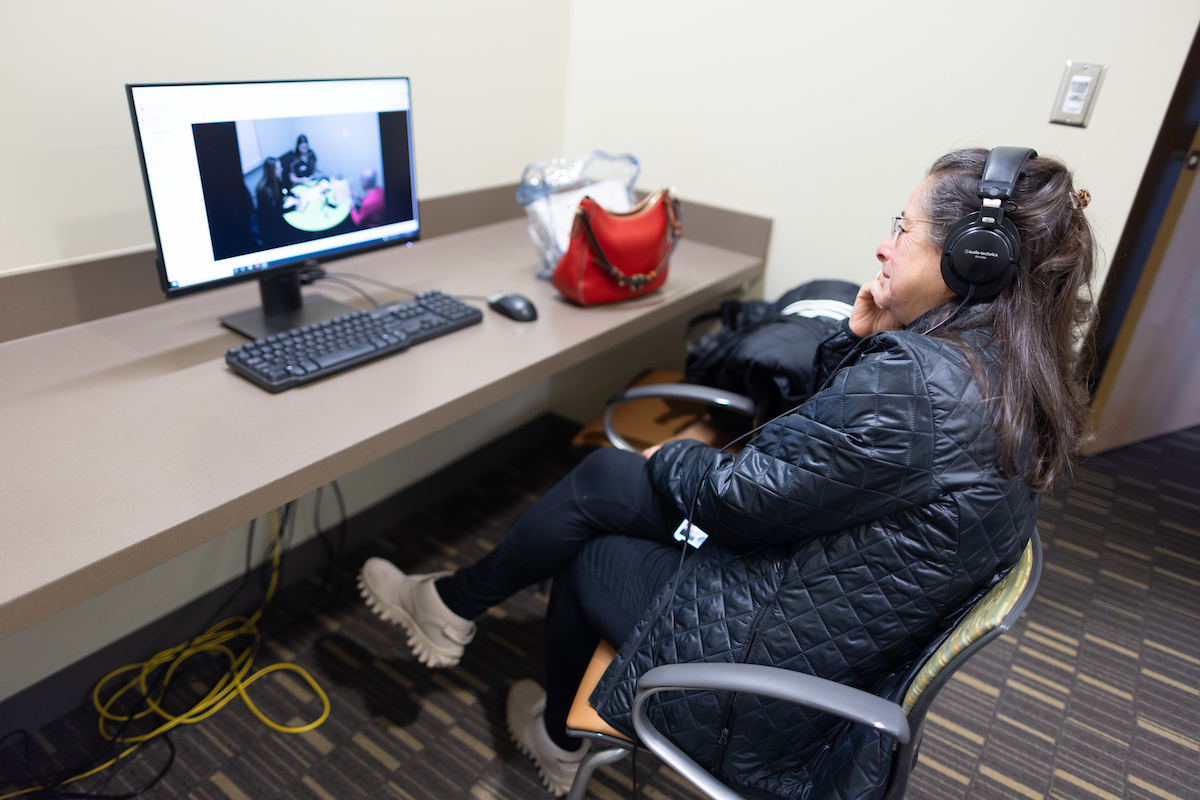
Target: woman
{"x":302,"y":162}
{"x":269,"y":196}
{"x":841,"y":534}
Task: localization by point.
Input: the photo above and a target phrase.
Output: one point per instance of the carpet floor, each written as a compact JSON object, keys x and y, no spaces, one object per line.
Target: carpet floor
{"x":1094,"y":694}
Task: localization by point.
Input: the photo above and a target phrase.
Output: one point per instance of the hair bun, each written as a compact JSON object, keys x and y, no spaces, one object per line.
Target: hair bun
{"x":1080,"y":199}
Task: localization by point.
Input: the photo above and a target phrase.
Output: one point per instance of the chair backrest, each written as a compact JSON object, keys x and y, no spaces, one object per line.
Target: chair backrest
{"x":988,"y":618}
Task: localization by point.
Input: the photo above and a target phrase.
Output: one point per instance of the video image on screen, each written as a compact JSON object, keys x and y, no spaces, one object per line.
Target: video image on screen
{"x":269,"y":183}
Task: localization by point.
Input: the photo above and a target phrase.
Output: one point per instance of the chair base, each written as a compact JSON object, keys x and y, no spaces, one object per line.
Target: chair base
{"x":595,"y":759}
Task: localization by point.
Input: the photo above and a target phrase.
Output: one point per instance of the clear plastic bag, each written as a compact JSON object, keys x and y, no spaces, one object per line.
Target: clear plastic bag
{"x":549,"y":191}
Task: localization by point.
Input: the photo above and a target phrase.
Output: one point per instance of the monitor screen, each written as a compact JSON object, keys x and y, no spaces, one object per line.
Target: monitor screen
{"x":246,"y":178}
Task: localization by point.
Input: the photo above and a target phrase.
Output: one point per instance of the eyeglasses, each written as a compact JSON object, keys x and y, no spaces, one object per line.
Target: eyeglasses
{"x":897,"y":229}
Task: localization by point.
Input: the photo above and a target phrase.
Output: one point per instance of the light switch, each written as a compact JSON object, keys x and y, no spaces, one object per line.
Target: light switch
{"x":1077,"y":93}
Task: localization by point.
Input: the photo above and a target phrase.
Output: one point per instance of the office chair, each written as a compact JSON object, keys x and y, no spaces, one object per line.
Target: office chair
{"x":963,"y":634}
{"x":753,"y":346}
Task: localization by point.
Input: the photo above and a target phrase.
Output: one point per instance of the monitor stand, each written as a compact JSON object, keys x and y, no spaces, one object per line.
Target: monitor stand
{"x":283,"y":308}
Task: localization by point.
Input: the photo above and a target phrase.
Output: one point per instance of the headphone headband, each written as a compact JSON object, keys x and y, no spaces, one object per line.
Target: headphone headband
{"x":1001,"y":171}
{"x":979,"y":258}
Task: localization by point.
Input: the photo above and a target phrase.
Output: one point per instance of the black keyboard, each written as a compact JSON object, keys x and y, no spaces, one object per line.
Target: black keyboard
{"x":306,"y":354}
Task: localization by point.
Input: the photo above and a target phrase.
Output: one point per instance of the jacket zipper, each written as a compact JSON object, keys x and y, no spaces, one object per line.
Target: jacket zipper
{"x":727,"y":717}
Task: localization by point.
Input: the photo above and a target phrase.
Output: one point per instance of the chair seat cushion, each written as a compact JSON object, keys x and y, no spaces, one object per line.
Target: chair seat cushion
{"x":582,"y":717}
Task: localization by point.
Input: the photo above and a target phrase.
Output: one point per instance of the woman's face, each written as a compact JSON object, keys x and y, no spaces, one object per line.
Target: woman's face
{"x":302,"y":147}
{"x":278,"y":169}
{"x":911,"y":279}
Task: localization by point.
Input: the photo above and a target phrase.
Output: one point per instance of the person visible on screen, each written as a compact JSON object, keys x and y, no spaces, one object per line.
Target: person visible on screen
{"x":368,"y":208}
{"x":302,"y":163}
{"x":269,"y":196}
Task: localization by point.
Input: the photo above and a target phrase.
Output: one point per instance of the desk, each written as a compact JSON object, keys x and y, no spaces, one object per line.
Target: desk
{"x":126,"y":441}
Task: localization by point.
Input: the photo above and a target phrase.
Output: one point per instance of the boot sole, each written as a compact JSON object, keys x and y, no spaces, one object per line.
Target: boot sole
{"x":546,"y":782}
{"x":425,"y":649}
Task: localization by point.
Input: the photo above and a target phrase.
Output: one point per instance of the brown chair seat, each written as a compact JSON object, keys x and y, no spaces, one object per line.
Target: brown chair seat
{"x":582,"y":717}
{"x":654,"y":420}
{"x":644,"y":422}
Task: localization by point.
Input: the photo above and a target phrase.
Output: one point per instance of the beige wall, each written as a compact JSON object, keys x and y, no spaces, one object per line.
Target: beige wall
{"x":487,"y":85}
{"x":825,"y":115}
{"x":820,"y":115}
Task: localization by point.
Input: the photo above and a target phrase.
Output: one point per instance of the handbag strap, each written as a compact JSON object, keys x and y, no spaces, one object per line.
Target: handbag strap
{"x":674,"y":230}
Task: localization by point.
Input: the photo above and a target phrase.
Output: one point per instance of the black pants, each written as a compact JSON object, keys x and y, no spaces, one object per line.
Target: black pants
{"x":604,"y":536}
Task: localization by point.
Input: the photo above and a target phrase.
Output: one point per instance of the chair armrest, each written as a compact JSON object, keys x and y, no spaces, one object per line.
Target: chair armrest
{"x":673,"y":391}
{"x":781,"y":684}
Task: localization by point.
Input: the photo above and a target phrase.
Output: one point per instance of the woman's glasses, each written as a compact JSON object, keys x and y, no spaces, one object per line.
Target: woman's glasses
{"x":898,"y":229}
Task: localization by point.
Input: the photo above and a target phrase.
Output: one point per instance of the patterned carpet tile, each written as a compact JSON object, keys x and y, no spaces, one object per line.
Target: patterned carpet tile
{"x":1094,"y":694}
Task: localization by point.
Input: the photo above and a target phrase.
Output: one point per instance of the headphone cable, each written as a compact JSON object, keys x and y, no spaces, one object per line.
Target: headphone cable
{"x":954,"y":313}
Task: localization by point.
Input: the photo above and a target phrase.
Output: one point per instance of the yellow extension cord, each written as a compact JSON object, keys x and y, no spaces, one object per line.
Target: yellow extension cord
{"x":232,"y":684}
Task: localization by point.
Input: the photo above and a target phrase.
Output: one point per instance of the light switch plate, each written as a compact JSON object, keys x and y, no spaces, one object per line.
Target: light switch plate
{"x":1077,"y":94}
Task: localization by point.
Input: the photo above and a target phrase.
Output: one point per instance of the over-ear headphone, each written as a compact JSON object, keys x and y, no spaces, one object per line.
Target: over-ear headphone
{"x":980,"y":256}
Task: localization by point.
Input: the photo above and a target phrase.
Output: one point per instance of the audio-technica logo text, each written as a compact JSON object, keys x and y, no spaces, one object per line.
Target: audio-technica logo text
{"x":982,"y":254}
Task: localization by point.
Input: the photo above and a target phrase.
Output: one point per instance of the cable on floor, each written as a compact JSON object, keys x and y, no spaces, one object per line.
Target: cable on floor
{"x":232,"y":685}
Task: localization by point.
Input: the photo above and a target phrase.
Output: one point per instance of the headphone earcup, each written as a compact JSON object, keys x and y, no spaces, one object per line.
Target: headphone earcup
{"x":981,"y":257}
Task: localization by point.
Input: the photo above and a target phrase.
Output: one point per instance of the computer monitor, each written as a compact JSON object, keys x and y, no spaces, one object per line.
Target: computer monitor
{"x":258,"y":180}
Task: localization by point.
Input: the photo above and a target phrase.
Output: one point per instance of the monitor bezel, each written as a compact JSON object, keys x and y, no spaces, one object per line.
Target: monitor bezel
{"x":292,"y":264}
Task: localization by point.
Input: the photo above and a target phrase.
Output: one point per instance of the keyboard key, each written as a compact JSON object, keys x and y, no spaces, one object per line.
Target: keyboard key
{"x":338,"y":356}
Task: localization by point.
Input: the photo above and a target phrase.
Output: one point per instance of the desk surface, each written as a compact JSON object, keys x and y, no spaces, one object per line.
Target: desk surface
{"x":126,"y":441}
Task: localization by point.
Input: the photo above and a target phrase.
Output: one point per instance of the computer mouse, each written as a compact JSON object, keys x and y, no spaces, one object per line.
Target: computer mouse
{"x":513,"y":306}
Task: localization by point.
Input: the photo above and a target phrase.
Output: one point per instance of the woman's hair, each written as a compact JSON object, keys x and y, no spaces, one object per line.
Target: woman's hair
{"x":1037,"y":397}
{"x":270,"y":182}
{"x":299,"y":139}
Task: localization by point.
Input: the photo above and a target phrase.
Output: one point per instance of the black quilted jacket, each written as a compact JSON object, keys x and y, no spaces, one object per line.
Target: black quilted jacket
{"x":838,"y":538}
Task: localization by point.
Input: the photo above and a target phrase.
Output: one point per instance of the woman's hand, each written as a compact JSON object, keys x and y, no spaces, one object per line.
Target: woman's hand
{"x":651,"y":450}
{"x":868,"y":317}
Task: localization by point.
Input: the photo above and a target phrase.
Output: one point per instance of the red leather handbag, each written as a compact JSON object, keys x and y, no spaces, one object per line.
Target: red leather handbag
{"x":618,"y":255}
